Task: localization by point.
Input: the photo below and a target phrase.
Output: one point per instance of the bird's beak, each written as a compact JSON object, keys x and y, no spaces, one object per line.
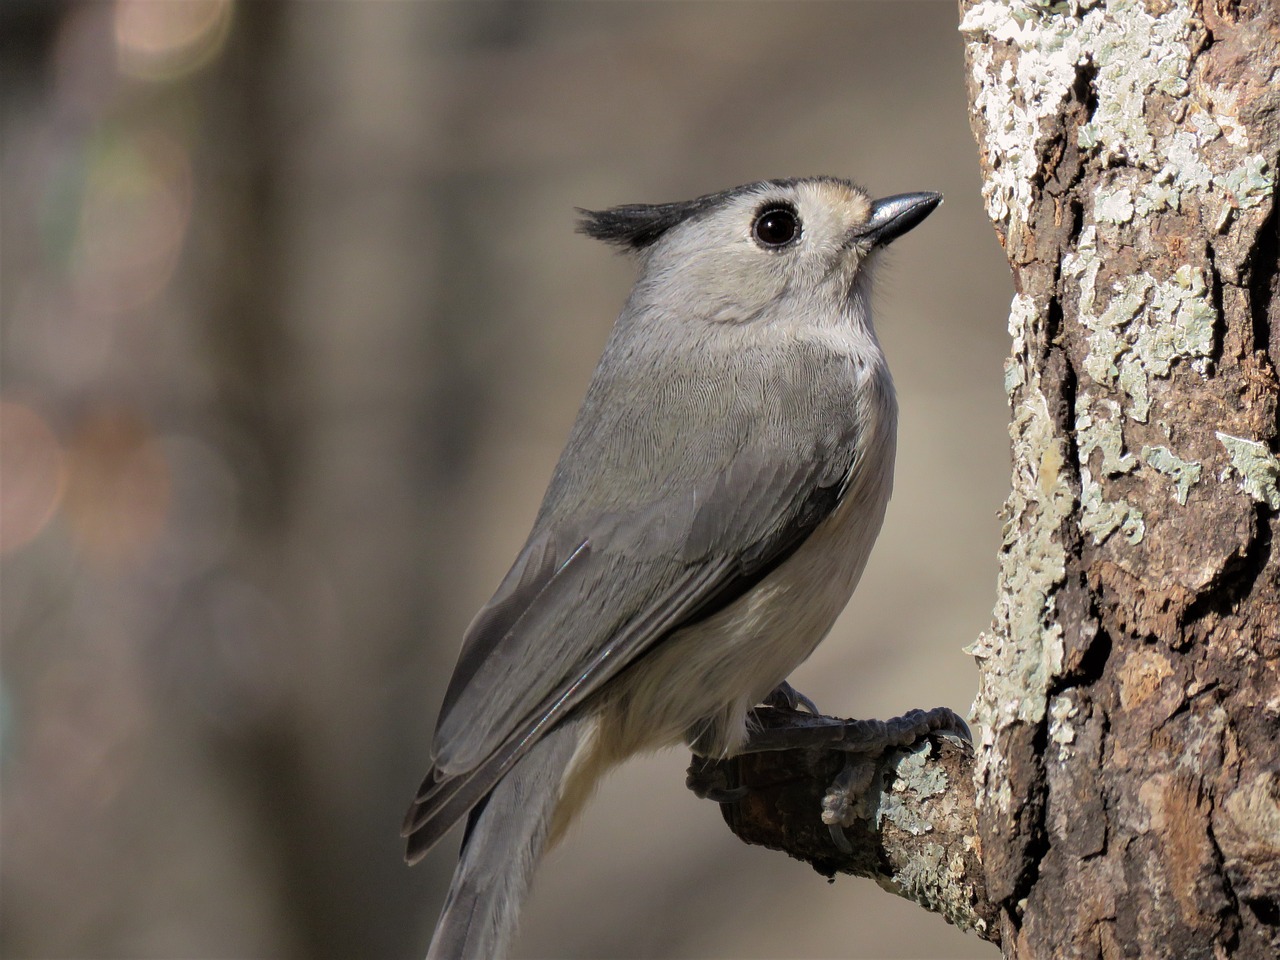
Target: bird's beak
{"x":894,"y":216}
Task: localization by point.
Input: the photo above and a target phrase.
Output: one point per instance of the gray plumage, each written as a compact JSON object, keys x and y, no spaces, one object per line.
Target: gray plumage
{"x":709,"y":518}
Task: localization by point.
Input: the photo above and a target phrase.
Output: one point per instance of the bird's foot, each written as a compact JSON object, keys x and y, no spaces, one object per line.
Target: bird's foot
{"x":859,"y":736}
{"x":863,"y":741}
{"x":712,"y":779}
{"x":785,"y":695}
{"x":866,"y":741}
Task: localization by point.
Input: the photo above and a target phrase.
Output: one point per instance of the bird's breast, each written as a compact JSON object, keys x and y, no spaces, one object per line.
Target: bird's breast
{"x":701,"y":681}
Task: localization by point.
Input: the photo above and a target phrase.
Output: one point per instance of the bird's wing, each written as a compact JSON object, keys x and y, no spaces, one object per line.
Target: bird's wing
{"x":592,"y":594}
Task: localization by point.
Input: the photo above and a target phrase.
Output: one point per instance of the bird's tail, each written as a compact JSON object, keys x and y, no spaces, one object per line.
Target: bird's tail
{"x":506,"y":834}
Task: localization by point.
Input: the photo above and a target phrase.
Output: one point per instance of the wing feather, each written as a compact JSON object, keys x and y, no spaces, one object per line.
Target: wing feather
{"x":445,"y":799}
{"x":600,"y":583}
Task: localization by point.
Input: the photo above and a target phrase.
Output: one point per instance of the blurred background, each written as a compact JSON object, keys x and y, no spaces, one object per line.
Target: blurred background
{"x":294,"y":326}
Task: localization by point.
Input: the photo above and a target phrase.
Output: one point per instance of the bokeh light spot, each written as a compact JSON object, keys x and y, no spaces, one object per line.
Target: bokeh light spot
{"x":136,"y":210}
{"x":32,"y":475}
{"x":118,"y":486}
{"x":169,"y":39}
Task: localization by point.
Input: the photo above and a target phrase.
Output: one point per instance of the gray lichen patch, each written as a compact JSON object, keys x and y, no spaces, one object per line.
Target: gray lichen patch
{"x":928,"y":865}
{"x":1134,"y":55}
{"x":1134,"y":382}
{"x":1249,"y":184}
{"x":1258,"y":468}
{"x":1185,"y":164}
{"x":1094,"y":432}
{"x":904,"y":816}
{"x":1110,"y":340}
{"x":1178,"y":324}
{"x":1100,"y":517}
{"x":1185,"y":473}
{"x":1024,"y":648}
{"x":916,"y":780}
{"x":935,"y":883}
{"x":1023,"y":317}
{"x":1145,"y":326}
{"x":1113,"y":206}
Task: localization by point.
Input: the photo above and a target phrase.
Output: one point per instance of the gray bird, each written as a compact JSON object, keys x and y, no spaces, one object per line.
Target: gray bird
{"x":708,"y":520}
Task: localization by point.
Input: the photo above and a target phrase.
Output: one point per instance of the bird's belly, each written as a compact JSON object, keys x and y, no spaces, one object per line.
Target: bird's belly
{"x":700,"y":683}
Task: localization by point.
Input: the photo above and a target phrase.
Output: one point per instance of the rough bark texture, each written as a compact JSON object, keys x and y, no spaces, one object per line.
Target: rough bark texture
{"x":913,"y":829}
{"x":1130,"y":693}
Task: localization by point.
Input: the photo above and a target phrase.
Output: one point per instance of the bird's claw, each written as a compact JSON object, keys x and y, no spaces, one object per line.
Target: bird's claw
{"x":713,"y":780}
{"x":785,"y":695}
{"x":865,"y":741}
{"x":845,"y":799}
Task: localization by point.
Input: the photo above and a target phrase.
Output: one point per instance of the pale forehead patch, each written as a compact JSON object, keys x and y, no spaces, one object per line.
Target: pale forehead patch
{"x":849,"y":203}
{"x":831,"y":208}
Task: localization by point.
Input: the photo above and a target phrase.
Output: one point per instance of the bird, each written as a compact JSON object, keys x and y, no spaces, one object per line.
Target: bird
{"x":709,"y":518}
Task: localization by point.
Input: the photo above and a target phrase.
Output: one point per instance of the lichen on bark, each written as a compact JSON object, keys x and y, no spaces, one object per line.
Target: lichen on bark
{"x":1129,"y":153}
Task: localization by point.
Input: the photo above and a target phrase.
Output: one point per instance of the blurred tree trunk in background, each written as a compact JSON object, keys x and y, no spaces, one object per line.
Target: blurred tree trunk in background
{"x":356,"y":391}
{"x":1129,"y":791}
{"x":225,"y":685}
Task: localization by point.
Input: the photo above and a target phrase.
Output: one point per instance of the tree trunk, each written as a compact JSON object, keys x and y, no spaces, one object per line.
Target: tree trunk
{"x":1128,"y":786}
{"x":1127,"y":779}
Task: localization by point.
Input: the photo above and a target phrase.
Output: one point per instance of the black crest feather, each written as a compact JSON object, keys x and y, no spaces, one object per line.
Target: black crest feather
{"x":638,"y":225}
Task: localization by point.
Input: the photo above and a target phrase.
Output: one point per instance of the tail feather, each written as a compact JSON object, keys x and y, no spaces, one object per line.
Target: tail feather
{"x":443,"y":800}
{"x":431,"y":818}
{"x":505,"y":836}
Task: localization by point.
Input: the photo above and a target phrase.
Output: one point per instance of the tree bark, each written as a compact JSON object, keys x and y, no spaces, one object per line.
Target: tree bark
{"x":911,"y":825}
{"x":1128,"y":786}
{"x":1129,"y":693}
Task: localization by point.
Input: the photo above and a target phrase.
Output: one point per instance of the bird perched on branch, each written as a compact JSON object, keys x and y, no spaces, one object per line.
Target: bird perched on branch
{"x":708,"y":520}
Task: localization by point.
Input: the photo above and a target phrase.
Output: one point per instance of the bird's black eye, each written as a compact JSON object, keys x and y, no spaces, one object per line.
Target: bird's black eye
{"x":776,"y":226}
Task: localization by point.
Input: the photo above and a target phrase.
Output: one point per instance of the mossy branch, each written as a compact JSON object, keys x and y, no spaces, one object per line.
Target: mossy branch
{"x":913,"y":830}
